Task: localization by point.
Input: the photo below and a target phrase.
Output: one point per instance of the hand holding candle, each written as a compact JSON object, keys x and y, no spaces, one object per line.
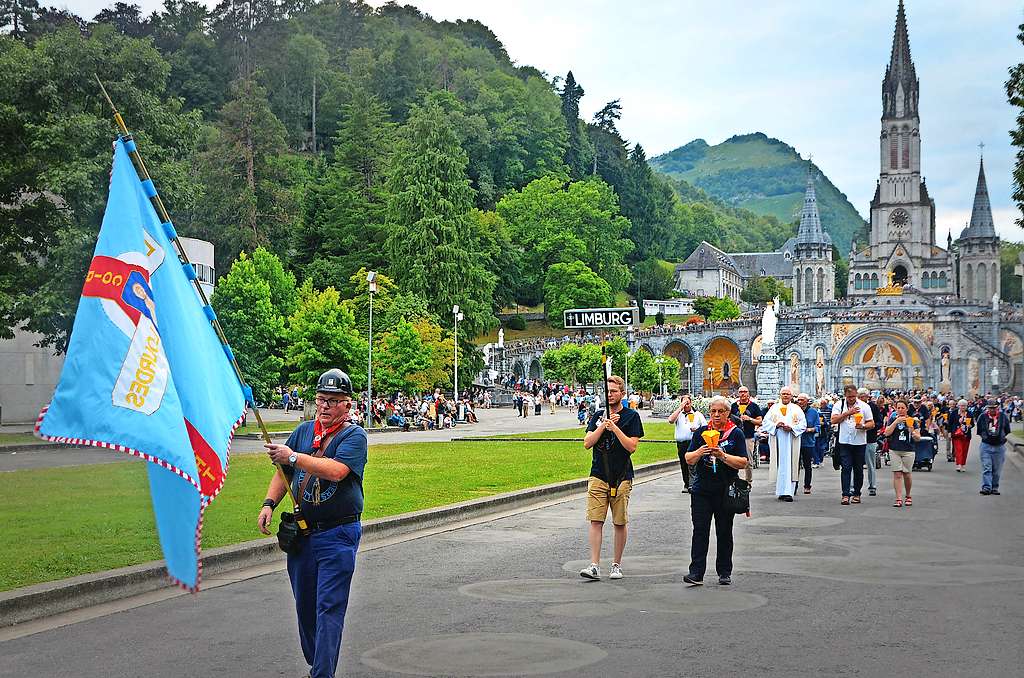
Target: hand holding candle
{"x":711,"y":437}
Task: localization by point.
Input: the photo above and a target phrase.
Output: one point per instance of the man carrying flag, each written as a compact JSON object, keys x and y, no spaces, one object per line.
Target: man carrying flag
{"x":145,"y":371}
{"x":326,"y":458}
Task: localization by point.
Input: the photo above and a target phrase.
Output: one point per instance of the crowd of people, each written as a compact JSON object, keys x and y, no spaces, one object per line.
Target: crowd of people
{"x":425,"y":412}
{"x":720,"y":440}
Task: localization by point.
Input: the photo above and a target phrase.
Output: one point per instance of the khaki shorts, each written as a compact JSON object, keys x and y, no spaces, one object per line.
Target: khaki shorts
{"x":902,"y":462}
{"x":597,"y":501}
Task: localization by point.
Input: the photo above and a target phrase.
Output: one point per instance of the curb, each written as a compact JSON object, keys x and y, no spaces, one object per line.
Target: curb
{"x":56,"y":597}
{"x":30,"y":447}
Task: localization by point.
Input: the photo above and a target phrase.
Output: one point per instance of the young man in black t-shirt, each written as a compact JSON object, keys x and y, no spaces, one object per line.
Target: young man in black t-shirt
{"x":613,"y":439}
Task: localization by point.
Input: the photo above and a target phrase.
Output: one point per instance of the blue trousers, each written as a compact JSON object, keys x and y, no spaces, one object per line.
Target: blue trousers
{"x":820,"y":447}
{"x":321,"y":575}
{"x":852,"y":459}
{"x":992,"y":458}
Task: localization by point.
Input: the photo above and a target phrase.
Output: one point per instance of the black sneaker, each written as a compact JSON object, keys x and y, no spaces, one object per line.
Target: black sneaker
{"x":994,"y":492}
{"x":724,"y":581}
{"x":985,"y":492}
{"x":871,"y":491}
{"x":692,"y":581}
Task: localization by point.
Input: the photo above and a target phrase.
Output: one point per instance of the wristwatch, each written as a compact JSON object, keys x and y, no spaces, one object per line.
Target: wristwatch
{"x":270,"y":503}
{"x":292,"y":458}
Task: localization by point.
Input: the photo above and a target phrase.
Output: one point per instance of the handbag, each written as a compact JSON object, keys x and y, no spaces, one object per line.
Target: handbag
{"x":737,"y":496}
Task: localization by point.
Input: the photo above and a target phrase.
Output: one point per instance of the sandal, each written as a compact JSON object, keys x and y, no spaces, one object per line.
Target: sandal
{"x":855,"y":500}
{"x":908,"y":501}
{"x":898,"y":503}
{"x":845,"y":501}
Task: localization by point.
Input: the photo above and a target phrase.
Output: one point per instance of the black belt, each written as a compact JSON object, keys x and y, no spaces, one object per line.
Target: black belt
{"x":322,"y":525}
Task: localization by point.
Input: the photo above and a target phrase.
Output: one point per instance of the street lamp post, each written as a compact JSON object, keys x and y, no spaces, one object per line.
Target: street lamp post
{"x":689,"y":377}
{"x":660,"y":375}
{"x":458,"y":316}
{"x":711,"y":381}
{"x":371,"y":278}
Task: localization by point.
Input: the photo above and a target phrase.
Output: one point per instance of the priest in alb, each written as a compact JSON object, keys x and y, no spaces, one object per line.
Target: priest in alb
{"x":784,"y":423}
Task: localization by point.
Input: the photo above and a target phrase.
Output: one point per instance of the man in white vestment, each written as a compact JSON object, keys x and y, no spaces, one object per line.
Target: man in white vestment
{"x":784,"y":423}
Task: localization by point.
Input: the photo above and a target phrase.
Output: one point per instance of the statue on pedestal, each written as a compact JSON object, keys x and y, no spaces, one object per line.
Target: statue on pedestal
{"x":769,"y":322}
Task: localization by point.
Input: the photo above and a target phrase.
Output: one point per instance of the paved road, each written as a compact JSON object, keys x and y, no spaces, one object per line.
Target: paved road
{"x":492,"y":422}
{"x":820,"y":589}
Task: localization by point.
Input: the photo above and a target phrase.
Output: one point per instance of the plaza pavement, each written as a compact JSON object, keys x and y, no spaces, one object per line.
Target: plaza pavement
{"x":495,"y":421}
{"x":819,"y":590}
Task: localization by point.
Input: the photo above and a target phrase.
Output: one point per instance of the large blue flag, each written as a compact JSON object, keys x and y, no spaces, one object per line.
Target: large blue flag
{"x":145,"y":372}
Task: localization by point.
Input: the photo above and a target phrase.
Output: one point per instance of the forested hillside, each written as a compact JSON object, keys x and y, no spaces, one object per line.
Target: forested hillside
{"x":764,"y":175}
{"x":326,"y":139}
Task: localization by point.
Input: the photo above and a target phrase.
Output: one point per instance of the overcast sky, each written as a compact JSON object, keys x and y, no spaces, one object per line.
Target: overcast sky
{"x":803,"y":71}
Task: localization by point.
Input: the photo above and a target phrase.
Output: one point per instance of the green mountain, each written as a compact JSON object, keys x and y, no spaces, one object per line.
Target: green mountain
{"x":765,"y":176}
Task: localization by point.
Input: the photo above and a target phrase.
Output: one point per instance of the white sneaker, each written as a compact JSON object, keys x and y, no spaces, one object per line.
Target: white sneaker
{"x":592,"y":571}
{"x":616,"y":572}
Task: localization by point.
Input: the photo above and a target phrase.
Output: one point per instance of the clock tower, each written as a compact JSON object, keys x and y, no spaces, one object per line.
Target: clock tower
{"x":901,"y":239}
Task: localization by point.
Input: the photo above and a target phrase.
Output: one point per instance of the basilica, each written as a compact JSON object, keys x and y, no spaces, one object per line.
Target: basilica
{"x":916,"y":313}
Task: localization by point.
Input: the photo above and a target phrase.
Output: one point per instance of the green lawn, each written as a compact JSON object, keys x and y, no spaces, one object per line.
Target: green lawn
{"x":272,"y":426}
{"x":17,"y":439}
{"x":68,"y":521}
{"x":653,"y":430}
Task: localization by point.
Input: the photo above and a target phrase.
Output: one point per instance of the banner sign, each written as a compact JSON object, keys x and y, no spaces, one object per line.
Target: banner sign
{"x":583,"y":318}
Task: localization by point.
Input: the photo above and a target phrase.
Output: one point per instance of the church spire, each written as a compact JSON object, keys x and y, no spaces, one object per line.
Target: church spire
{"x":810,"y":231}
{"x":981,"y":225}
{"x":900,"y":86}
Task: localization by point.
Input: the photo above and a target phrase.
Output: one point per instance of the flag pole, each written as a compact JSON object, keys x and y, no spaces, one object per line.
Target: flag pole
{"x":161,"y":212}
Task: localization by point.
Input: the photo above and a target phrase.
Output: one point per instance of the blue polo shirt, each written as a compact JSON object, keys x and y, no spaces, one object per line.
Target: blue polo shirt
{"x":324,"y":500}
{"x":809,"y":437}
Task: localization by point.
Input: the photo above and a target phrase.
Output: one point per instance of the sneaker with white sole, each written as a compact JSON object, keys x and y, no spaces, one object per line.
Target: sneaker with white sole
{"x":592,"y":571}
{"x":616,"y":572}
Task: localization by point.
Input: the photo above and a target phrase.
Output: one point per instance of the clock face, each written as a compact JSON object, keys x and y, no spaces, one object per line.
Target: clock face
{"x":899,"y":218}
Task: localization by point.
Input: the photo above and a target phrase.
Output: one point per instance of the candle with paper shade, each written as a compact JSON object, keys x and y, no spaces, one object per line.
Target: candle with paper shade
{"x":711,"y":437}
{"x":858,"y":418}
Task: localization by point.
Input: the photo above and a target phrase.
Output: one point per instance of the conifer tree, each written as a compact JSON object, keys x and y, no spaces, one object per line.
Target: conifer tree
{"x":580,"y":152}
{"x":430,"y":238}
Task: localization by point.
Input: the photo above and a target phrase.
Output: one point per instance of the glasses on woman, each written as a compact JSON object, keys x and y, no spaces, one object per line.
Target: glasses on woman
{"x":331,"y":402}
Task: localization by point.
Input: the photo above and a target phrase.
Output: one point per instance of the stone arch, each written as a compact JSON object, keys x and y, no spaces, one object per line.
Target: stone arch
{"x":857,"y":282}
{"x":904,"y":363}
{"x":536,"y":371}
{"x":648,"y":349}
{"x":518,"y":368}
{"x":981,"y":275}
{"x":1013,"y":348}
{"x":681,"y":351}
{"x":722,"y":355}
{"x":874,"y":281}
{"x":809,"y":284}
{"x":943,"y":282}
